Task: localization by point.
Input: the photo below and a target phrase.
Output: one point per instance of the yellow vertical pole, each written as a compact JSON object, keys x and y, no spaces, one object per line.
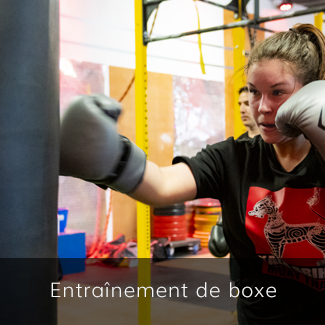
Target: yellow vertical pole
{"x":318,"y":18}
{"x":239,"y":77}
{"x":143,"y":211}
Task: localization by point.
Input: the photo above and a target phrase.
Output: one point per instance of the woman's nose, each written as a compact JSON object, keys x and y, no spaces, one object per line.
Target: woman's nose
{"x":242,"y":108}
{"x":264,"y":106}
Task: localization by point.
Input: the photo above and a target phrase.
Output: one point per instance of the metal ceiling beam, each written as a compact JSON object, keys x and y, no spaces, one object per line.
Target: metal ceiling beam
{"x":157,"y":2}
{"x":242,"y":23}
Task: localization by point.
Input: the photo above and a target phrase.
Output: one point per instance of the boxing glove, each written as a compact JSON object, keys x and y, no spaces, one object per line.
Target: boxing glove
{"x":218,"y":246}
{"x":304,"y":112}
{"x":91,"y":148}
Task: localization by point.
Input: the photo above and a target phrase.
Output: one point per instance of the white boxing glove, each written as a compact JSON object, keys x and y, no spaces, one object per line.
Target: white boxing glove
{"x":304,"y":112}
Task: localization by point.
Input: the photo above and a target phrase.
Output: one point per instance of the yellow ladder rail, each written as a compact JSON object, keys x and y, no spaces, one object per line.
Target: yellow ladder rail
{"x":143,"y":211}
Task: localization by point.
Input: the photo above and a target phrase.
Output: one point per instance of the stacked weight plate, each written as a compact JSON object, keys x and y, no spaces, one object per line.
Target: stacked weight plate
{"x":206,"y":216}
{"x":170,"y":222}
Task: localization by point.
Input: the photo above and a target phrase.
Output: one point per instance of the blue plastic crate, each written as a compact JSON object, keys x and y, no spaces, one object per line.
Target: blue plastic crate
{"x":72,"y":251}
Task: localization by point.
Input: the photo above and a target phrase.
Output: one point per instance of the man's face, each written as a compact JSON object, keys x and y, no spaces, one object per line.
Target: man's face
{"x":245,"y":111}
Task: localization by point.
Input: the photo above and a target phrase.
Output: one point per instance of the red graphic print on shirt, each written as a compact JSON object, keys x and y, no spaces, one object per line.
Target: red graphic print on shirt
{"x":287,"y":228}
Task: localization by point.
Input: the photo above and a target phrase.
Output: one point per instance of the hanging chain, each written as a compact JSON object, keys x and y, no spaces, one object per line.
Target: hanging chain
{"x":252,"y":36}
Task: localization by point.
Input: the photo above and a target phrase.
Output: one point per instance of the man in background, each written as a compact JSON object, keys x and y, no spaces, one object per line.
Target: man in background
{"x":252,"y":130}
{"x":246,"y":115}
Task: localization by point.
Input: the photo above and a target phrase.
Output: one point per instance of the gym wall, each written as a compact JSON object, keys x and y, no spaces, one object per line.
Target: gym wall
{"x":102,"y":32}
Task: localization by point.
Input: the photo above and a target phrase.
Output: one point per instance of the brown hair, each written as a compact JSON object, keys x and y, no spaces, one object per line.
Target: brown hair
{"x":303,"y":46}
{"x":243,"y":89}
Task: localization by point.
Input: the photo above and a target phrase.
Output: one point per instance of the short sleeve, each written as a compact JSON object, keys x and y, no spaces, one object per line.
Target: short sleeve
{"x":208,"y":168}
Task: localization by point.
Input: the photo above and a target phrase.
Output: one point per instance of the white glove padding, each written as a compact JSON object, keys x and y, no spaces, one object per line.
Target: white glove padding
{"x":91,"y":149}
{"x":303,"y":113}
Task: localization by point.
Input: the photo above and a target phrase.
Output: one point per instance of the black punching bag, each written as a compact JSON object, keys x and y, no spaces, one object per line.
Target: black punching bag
{"x":29,"y":161}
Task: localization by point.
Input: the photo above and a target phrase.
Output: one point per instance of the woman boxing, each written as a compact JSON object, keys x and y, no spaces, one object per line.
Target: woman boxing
{"x":271,"y":188}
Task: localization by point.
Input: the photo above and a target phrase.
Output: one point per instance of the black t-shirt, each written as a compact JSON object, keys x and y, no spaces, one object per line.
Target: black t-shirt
{"x":233,"y":264}
{"x":244,"y":136}
{"x":274,"y":224}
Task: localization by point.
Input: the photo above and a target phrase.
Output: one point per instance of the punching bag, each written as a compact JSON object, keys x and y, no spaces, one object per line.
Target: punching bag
{"x":29,"y":162}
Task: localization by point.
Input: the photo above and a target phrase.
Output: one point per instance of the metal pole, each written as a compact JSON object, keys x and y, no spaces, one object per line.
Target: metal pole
{"x":154,"y":2}
{"x":238,"y":35}
{"x":256,"y":11}
{"x":143,"y":211}
{"x":241,"y":23}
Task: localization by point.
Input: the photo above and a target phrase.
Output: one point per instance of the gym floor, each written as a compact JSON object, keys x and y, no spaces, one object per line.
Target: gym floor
{"x":190,"y":306}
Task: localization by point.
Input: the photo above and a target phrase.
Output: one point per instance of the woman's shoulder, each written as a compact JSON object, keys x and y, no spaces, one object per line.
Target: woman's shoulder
{"x":257,"y":140}
{"x":232,"y":149}
{"x":237,"y":144}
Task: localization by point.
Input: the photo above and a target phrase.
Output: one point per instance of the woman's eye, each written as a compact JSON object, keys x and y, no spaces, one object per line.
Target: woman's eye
{"x":277,"y":92}
{"x":253,"y":91}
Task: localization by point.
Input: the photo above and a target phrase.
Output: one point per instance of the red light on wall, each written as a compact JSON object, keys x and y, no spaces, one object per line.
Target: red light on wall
{"x":285,"y":6}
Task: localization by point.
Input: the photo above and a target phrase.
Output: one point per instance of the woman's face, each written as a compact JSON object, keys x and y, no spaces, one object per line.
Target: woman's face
{"x":270,"y":84}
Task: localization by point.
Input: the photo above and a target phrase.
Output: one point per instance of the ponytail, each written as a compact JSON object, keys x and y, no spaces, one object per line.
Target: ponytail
{"x":303,"y":46}
{"x":316,"y":37}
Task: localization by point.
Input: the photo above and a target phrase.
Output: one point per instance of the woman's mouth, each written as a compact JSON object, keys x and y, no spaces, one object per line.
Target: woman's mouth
{"x":266,"y":127}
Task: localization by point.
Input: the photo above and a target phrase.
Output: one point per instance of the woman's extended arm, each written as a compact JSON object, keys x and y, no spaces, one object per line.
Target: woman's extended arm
{"x":91,"y":149}
{"x":166,"y":185}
